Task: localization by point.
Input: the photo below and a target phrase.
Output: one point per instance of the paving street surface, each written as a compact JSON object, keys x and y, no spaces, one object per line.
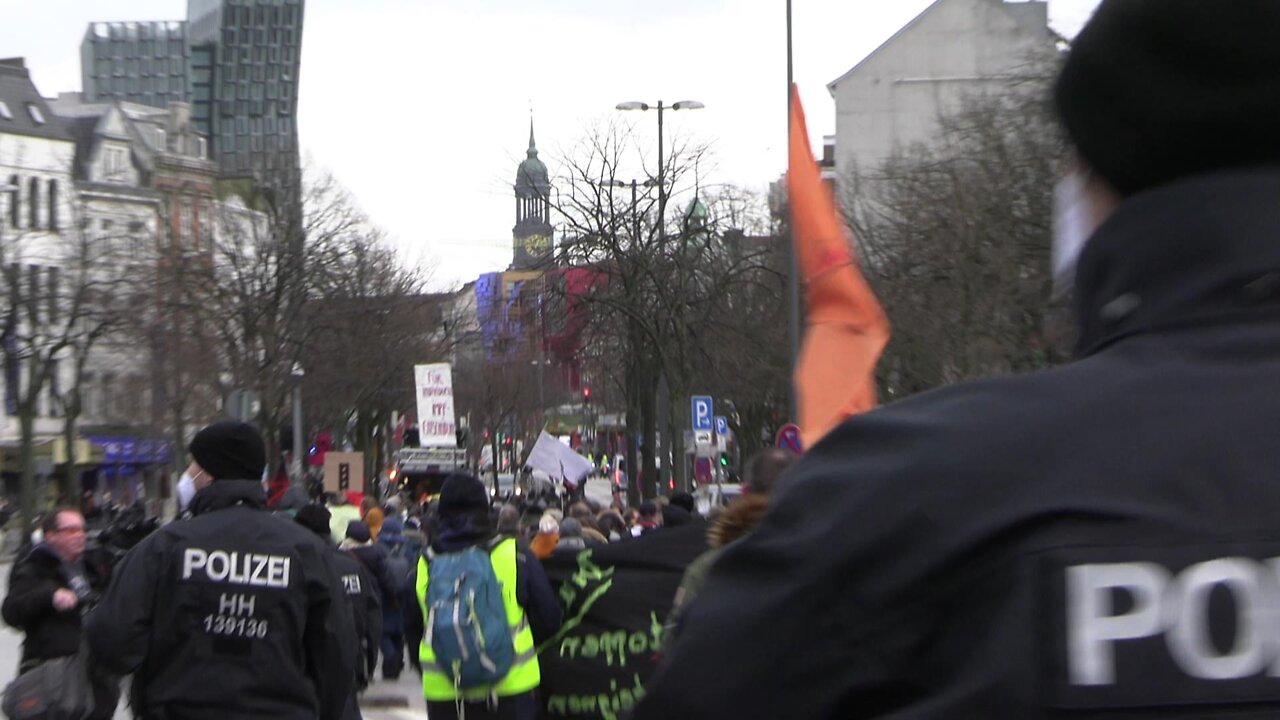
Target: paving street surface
{"x":399,"y":700}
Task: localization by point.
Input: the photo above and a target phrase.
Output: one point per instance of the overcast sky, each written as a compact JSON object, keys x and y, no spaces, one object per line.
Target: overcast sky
{"x":421,"y":107}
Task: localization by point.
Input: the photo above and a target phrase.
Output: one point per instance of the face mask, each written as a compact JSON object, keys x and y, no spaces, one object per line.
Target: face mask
{"x":186,"y":490}
{"x":1073,"y":225}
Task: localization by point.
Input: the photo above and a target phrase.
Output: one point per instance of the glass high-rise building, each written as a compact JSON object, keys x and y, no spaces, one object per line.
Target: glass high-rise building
{"x":138,"y":62}
{"x":235,"y":61}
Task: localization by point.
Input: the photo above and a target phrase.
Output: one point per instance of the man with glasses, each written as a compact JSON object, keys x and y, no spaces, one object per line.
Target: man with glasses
{"x":50,"y":588}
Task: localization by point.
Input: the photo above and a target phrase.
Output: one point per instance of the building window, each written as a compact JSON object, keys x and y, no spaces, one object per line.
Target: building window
{"x":185,"y":220}
{"x":33,"y":292}
{"x":33,"y":199}
{"x":4,"y":111}
{"x":53,"y":279}
{"x":37,"y":117}
{"x":53,"y":204}
{"x":110,"y":396}
{"x":15,"y":202}
{"x":88,"y":397}
{"x":114,"y":162}
{"x":49,"y":397}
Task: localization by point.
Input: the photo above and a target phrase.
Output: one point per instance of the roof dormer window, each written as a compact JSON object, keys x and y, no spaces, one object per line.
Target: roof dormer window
{"x":4,"y":111}
{"x":37,"y":117}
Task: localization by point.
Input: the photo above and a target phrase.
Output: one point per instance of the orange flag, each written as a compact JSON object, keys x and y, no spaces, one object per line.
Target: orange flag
{"x":845,"y":330}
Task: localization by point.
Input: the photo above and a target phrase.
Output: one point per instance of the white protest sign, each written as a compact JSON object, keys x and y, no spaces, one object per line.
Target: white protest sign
{"x":437,"y":426}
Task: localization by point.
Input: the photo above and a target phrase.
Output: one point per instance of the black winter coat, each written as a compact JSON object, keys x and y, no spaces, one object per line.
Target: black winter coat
{"x":1096,"y":540}
{"x":374,"y":557}
{"x":366,"y":607}
{"x":366,"y":617}
{"x":29,"y":606}
{"x":233,"y":613}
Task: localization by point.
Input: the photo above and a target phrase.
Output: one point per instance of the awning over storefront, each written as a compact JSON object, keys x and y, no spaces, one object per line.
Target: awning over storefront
{"x":129,"y":450}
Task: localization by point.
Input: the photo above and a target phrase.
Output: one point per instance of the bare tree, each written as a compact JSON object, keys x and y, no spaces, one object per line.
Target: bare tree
{"x":371,"y":322}
{"x":955,"y":238}
{"x":263,"y":272}
{"x":496,"y":394}
{"x":667,"y":283}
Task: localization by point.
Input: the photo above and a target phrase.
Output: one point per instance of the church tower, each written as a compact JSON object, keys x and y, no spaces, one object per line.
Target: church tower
{"x":532,"y":232}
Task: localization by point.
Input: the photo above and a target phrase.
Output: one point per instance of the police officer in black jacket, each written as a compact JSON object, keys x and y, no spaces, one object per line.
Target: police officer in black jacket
{"x":1098,"y":540}
{"x":233,"y":613}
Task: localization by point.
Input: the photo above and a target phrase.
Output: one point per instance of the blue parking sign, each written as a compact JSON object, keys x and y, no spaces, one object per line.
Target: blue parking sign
{"x":722,"y":426}
{"x":702,"y":412}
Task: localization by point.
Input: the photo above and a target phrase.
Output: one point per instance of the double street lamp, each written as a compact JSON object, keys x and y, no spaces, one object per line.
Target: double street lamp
{"x":635,"y":216}
{"x":662,"y":191}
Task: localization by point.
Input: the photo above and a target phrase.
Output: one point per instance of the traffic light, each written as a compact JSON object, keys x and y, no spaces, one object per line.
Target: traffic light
{"x":586,"y":394}
{"x":724,"y":460}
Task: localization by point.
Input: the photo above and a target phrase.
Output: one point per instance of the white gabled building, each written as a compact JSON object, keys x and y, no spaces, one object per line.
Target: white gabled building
{"x":893,"y":98}
{"x":37,"y":153}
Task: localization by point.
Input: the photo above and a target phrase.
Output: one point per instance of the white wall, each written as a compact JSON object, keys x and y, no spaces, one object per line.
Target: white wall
{"x":956,"y":48}
{"x":45,"y":160}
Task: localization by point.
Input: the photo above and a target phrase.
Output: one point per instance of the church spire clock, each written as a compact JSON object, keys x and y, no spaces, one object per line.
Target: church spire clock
{"x":532,"y":234}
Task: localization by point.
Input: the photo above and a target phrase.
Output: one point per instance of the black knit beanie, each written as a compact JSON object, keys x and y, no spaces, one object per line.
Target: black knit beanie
{"x":462,"y":495}
{"x":315,"y":518}
{"x":230,"y":450}
{"x":1157,"y":90}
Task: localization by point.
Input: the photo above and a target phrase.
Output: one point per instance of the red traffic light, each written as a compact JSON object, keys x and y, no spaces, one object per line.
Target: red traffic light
{"x":586,"y":393}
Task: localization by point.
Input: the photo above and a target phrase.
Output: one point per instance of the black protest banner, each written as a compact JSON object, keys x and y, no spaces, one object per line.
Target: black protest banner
{"x":615,"y":599}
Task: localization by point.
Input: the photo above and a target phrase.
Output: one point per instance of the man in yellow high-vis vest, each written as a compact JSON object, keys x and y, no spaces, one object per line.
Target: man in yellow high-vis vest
{"x":532,"y":610}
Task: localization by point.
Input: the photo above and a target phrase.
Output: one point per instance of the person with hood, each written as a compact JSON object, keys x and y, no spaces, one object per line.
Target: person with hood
{"x":50,"y":589}
{"x":399,"y":564}
{"x":464,"y":522}
{"x":359,"y":542}
{"x":233,"y":613}
{"x":362,"y":593}
{"x":1095,"y":540}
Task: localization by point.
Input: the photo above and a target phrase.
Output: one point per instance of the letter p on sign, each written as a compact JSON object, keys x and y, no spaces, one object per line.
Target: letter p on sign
{"x":1091,"y":626}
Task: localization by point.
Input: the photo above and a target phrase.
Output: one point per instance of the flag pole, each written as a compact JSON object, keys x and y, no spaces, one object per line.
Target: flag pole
{"x":793,"y":281}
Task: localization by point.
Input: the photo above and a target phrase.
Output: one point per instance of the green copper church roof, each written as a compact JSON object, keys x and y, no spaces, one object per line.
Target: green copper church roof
{"x":532,"y":174}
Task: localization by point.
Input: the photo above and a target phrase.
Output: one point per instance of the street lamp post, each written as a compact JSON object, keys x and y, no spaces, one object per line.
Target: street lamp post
{"x":662,"y":186}
{"x":662,"y":190}
{"x":635,"y":215}
{"x":297,"y":374}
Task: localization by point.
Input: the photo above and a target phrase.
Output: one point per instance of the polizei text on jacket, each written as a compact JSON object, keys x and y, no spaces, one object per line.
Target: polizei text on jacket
{"x":236,"y":568}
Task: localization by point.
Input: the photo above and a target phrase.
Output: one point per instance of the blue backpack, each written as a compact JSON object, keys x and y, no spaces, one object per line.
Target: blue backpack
{"x":466,"y":622}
